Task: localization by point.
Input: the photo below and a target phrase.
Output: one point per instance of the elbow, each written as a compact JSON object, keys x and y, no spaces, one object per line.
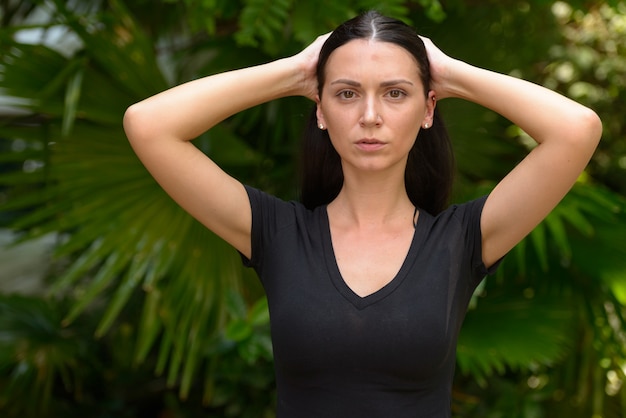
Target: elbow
{"x":591,"y":128}
{"x":581,"y":131}
{"x":132,"y":123}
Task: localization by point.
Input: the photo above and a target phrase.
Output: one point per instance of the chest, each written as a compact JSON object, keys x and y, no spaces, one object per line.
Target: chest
{"x":404,"y":326}
{"x":368,"y":261}
{"x":404,"y":332}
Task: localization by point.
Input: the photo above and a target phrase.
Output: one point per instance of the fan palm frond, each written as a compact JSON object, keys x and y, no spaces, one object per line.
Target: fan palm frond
{"x":121,"y":231}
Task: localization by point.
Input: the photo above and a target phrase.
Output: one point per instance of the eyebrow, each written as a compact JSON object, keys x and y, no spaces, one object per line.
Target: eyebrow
{"x":383,"y":84}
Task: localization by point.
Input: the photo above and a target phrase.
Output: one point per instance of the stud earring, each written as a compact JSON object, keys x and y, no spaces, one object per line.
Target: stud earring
{"x":426,"y":125}
{"x":321,"y":126}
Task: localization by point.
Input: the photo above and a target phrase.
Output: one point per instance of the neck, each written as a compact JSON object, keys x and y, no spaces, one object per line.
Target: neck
{"x":372,"y":202}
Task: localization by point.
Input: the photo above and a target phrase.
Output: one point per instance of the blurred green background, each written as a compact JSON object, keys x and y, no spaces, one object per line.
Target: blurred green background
{"x":115,"y":303}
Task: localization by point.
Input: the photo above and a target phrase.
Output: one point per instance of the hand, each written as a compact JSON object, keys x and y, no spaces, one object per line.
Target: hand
{"x":440,"y":69}
{"x":307,"y":63}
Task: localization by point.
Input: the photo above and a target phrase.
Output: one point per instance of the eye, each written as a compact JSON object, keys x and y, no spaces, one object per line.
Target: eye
{"x":396,"y":94}
{"x":346,"y":94}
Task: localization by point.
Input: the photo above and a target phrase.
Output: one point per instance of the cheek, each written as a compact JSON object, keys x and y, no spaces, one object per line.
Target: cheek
{"x":405,"y":124}
{"x":340,"y":122}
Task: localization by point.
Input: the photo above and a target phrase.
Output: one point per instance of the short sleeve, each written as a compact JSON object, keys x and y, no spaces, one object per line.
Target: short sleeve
{"x":269,"y":215}
{"x":470,"y":214}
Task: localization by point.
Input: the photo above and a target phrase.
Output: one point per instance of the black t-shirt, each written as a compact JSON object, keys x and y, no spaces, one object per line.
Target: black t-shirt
{"x":389,"y":354}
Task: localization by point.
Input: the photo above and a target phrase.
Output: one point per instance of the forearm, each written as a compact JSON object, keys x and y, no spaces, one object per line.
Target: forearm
{"x":186,"y":111}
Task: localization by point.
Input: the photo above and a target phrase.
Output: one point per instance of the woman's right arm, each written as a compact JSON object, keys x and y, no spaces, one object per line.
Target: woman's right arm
{"x":160,"y":130}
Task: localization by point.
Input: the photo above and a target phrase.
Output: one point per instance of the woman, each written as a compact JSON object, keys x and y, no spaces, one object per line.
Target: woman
{"x":368,"y":279}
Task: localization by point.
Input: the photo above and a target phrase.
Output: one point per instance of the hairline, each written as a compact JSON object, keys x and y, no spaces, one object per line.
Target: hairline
{"x":373,"y":38}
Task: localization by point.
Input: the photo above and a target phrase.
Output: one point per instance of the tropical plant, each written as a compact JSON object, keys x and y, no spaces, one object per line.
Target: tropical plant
{"x":36,"y":354}
{"x":124,"y":243}
{"x":51,"y":370}
{"x":571,"y":269}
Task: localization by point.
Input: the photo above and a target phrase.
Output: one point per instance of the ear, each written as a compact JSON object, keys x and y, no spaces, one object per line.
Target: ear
{"x":318,"y":112}
{"x":431,"y":103}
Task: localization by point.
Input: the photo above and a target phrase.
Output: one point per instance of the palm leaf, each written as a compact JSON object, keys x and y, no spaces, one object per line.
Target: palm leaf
{"x":513,"y":332}
{"x":123,"y":233}
{"x":535,"y":326}
{"x":35,"y":352}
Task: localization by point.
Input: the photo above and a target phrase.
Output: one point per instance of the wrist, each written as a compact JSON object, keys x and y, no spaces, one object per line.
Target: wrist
{"x":452,"y":80}
{"x":289,"y":77}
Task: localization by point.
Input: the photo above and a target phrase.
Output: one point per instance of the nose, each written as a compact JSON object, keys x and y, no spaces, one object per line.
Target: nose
{"x":371,"y":115}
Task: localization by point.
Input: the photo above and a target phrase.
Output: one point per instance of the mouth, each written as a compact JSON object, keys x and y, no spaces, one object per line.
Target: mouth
{"x":370,"y":144}
{"x":369,"y":141}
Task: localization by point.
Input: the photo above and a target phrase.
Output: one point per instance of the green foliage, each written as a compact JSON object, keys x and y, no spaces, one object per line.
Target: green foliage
{"x":243,"y":363}
{"x":36,"y":354}
{"x":267,"y":24}
{"x":261,"y":22}
{"x":51,"y":370}
{"x":590,"y":65}
{"x":94,"y":155}
{"x":524,"y":330}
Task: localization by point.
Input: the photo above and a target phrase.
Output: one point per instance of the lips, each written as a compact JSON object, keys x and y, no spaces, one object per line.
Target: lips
{"x":369,"y":141}
{"x":369,"y":144}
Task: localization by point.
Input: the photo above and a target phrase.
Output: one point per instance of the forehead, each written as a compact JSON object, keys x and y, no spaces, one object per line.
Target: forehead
{"x":370,"y":58}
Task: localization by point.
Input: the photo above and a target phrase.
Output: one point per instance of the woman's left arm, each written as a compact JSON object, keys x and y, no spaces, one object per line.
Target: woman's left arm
{"x":566,"y":132}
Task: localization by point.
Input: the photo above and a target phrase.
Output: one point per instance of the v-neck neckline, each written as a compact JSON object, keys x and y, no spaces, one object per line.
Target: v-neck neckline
{"x":361,"y":302}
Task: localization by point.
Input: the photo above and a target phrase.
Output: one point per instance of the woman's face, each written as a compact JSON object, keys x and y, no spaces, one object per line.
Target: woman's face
{"x":373,"y":104}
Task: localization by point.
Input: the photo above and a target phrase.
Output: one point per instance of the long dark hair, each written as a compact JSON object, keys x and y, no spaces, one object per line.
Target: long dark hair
{"x":430,"y":166}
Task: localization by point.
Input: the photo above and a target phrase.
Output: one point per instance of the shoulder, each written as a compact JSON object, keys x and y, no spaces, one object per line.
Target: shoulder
{"x":271,"y":214}
{"x":464,"y":214}
{"x":278,"y":224}
{"x":459,"y":226}
{"x":263,"y":201}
